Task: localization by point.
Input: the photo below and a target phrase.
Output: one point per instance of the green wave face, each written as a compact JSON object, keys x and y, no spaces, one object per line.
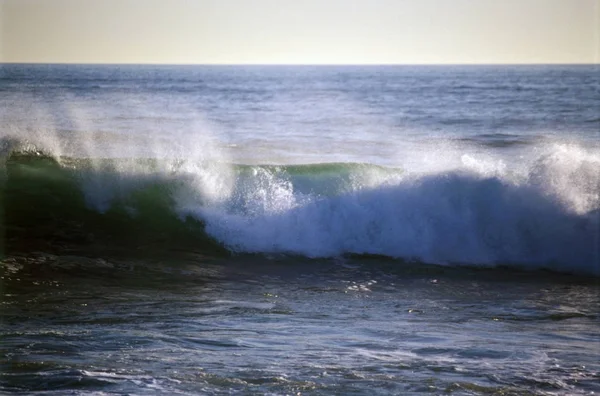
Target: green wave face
{"x":325,"y":179}
{"x":46,"y":207}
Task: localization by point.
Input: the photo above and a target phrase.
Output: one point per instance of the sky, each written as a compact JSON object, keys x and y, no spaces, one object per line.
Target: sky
{"x":300,"y":31}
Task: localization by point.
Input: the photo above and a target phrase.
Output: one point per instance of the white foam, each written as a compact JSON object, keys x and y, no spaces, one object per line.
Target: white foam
{"x":482,"y":213}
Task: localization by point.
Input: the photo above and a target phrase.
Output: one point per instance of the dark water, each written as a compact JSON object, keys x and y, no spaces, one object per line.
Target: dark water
{"x":188,"y":324}
{"x":300,"y":230}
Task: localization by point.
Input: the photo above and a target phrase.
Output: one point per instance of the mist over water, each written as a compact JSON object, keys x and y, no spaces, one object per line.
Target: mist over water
{"x":265,"y":195}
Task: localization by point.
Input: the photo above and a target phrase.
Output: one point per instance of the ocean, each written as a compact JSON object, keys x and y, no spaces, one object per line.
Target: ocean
{"x":299,"y":230}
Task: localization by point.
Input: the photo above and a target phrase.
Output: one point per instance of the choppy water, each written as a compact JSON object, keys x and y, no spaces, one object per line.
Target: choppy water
{"x":312,"y":230}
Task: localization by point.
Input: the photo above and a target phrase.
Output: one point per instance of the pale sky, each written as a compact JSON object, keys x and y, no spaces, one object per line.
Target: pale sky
{"x":300,"y":31}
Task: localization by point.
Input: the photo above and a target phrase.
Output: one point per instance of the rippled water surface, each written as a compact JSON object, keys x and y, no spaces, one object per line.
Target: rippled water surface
{"x":286,"y":326}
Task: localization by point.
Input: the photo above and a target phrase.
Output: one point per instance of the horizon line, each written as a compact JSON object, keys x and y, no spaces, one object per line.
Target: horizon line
{"x":302,"y":64}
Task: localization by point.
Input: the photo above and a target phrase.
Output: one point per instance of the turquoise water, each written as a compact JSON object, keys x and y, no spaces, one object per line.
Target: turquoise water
{"x":300,"y":230}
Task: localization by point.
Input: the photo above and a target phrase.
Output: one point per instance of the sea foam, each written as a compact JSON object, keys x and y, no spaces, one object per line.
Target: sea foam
{"x":547,"y":217}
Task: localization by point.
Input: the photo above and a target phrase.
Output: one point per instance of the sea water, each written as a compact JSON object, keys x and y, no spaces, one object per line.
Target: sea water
{"x":300,"y":229}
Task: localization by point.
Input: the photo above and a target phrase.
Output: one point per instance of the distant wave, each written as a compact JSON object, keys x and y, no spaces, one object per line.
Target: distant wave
{"x":502,"y":140}
{"x":547,"y":217}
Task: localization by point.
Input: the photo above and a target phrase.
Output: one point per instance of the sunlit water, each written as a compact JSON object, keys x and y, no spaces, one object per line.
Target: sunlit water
{"x":300,"y":230}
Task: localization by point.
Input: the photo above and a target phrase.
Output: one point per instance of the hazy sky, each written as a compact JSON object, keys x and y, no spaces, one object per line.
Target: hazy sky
{"x":300,"y":31}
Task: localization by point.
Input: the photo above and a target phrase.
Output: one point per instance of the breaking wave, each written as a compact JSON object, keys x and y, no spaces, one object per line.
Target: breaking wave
{"x":479,"y":214}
